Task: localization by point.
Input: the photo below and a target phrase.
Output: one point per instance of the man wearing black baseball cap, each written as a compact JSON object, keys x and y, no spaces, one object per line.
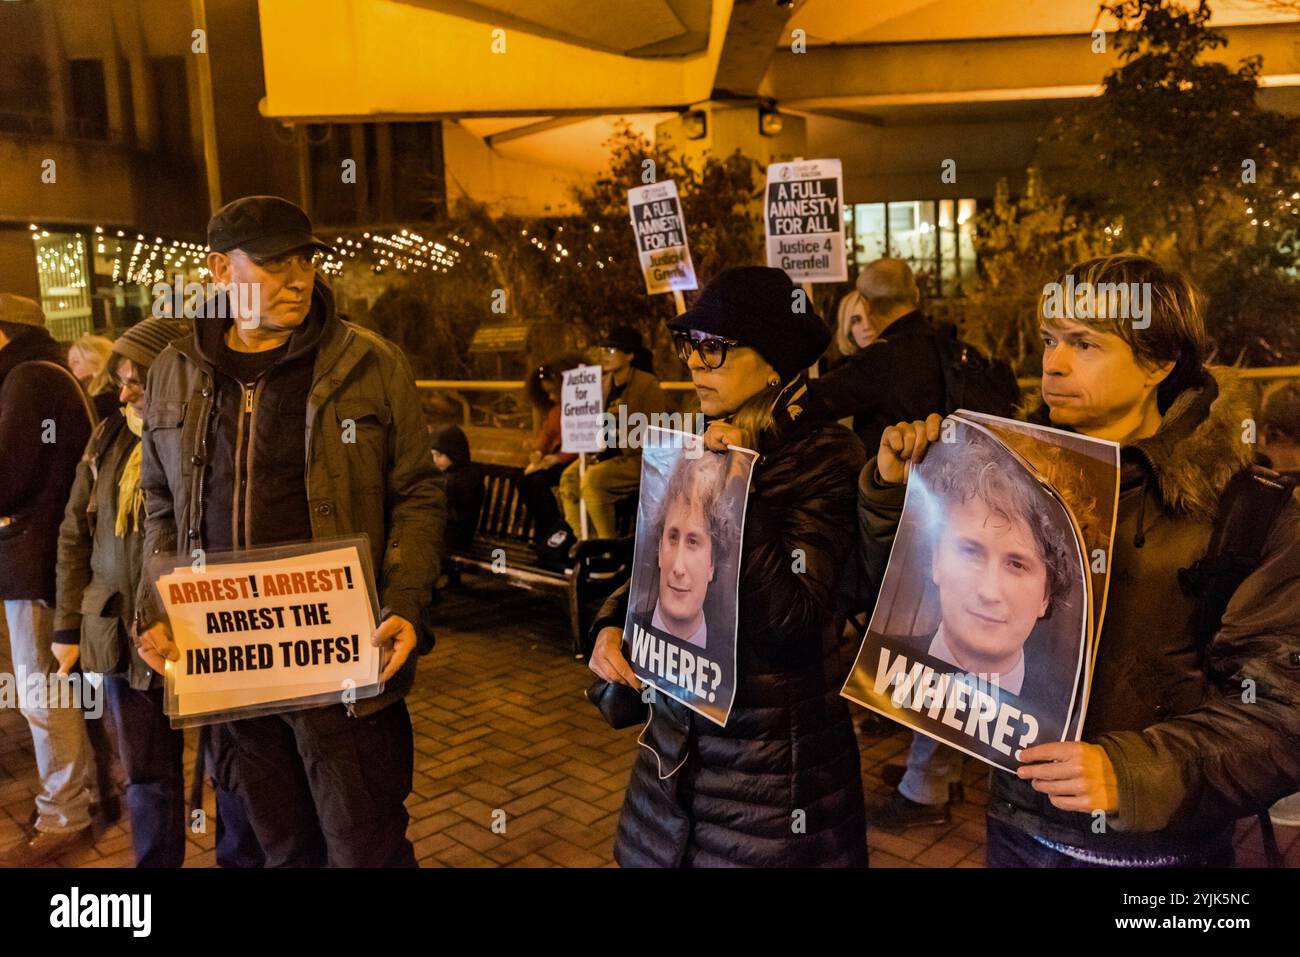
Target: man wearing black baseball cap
{"x":273,"y":378}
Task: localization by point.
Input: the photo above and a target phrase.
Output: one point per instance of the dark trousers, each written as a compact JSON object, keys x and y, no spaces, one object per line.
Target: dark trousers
{"x":152,"y":756}
{"x":537,"y":489}
{"x":1011,"y":847}
{"x":324,"y":788}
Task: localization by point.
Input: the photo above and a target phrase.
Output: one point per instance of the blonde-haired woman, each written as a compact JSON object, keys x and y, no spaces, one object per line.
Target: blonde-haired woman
{"x":853,"y":330}
{"x":88,"y":360}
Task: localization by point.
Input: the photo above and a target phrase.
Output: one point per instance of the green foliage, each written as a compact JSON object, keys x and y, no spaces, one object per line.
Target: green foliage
{"x":1178,"y":149}
{"x":578,"y":271}
{"x":721,"y":204}
{"x":1023,"y":243}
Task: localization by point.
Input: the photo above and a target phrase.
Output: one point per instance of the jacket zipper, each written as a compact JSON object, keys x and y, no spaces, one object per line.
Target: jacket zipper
{"x":246,"y":399}
{"x":250,"y":406}
{"x":196,"y":513}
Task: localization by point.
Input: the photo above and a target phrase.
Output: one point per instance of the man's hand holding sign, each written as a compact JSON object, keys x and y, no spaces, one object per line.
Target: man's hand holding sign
{"x":272,"y":629}
{"x":395,"y":635}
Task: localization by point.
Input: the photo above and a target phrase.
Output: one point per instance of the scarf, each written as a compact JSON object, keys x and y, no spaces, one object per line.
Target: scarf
{"x":130,"y":497}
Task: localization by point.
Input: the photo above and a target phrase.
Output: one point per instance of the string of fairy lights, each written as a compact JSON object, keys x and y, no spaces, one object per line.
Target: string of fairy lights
{"x":129,"y":258}
{"x":136,"y":259}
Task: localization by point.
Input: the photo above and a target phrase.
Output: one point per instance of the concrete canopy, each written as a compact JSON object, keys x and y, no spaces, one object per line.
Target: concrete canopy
{"x":391,"y":59}
{"x":892,"y":87}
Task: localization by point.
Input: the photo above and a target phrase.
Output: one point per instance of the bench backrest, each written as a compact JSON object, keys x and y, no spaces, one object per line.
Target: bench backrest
{"x":503,"y":515}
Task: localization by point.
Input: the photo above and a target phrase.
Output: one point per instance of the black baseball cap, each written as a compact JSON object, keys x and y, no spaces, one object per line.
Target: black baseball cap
{"x":262,"y":226}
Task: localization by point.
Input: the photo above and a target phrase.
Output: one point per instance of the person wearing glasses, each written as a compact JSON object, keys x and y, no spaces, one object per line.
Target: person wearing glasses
{"x":626,"y":379}
{"x":285,"y":425}
{"x":780,"y":784}
{"x":101,"y":553}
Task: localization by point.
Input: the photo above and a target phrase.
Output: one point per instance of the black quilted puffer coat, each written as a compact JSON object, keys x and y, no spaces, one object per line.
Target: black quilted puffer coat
{"x":781,"y":784}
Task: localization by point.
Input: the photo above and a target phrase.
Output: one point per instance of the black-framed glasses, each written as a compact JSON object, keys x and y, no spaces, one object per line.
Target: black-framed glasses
{"x":712,"y":349}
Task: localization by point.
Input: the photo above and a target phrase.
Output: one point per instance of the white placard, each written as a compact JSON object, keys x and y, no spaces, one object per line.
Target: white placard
{"x":660,"y":231}
{"x":581,"y":410}
{"x":803,"y":213}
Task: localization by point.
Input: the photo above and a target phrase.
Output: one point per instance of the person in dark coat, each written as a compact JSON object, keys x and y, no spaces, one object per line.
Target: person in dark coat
{"x":780,"y":784}
{"x":295,"y":425}
{"x":101,"y":557}
{"x":898,"y":376}
{"x":546,"y":460}
{"x":45,"y":419}
{"x":1174,"y":749}
{"x":464,"y":484}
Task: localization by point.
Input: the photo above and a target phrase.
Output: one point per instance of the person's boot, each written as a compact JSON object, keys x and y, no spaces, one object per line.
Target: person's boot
{"x":43,"y":847}
{"x":554,"y":551}
{"x":872,"y":725}
{"x":897,"y":813}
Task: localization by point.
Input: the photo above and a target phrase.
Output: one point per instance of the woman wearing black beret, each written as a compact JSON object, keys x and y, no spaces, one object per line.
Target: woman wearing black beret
{"x":780,"y":785}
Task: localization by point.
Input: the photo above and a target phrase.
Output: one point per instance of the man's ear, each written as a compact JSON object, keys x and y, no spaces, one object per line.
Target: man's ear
{"x":219,"y":267}
{"x":1157,"y":373}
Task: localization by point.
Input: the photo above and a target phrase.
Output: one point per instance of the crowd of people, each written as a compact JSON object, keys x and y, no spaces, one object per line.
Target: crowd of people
{"x":293,"y":425}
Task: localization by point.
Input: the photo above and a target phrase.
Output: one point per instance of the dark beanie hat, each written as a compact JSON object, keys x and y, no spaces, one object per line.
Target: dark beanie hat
{"x":451,"y":442}
{"x":142,"y":342}
{"x":757,"y":306}
{"x":622,"y":337}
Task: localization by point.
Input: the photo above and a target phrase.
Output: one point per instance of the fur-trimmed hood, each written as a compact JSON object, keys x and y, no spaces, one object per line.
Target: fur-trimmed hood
{"x":1199,"y":444}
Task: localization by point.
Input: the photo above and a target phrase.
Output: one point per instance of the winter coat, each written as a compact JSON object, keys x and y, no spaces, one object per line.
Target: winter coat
{"x":368,"y":468}
{"x":45,"y":420}
{"x":781,"y":784}
{"x":897,"y":378}
{"x":1190,"y":753}
{"x":99,"y":571}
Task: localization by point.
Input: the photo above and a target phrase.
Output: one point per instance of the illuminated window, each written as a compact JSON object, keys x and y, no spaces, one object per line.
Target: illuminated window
{"x":933,"y":236}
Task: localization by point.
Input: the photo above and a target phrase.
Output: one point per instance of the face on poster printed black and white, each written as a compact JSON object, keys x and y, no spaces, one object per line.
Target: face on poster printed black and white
{"x":680,"y":633}
{"x":979,"y":636}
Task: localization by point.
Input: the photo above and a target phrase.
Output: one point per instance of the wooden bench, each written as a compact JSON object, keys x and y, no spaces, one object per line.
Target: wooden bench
{"x":503,"y":545}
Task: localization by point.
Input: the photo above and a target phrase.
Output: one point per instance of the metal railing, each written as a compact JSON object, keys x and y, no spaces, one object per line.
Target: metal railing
{"x":461,"y":392}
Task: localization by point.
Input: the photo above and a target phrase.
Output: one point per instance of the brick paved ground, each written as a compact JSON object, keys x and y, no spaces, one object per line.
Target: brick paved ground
{"x":501,"y":725}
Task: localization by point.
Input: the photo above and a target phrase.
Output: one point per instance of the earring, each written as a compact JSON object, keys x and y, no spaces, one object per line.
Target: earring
{"x":774,"y":382}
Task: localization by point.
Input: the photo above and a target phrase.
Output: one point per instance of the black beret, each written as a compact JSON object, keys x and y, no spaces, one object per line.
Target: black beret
{"x":761,"y":308}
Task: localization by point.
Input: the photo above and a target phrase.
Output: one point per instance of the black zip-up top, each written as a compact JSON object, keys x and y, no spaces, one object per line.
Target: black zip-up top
{"x":254,"y":471}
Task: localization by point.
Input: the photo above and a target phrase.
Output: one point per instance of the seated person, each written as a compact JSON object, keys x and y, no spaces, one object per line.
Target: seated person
{"x":616,"y":473}
{"x":546,"y":460}
{"x":464,"y":484}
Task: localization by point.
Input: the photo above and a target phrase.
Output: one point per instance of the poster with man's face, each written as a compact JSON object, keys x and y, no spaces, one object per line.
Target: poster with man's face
{"x":680,"y":634}
{"x":981,"y":635}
